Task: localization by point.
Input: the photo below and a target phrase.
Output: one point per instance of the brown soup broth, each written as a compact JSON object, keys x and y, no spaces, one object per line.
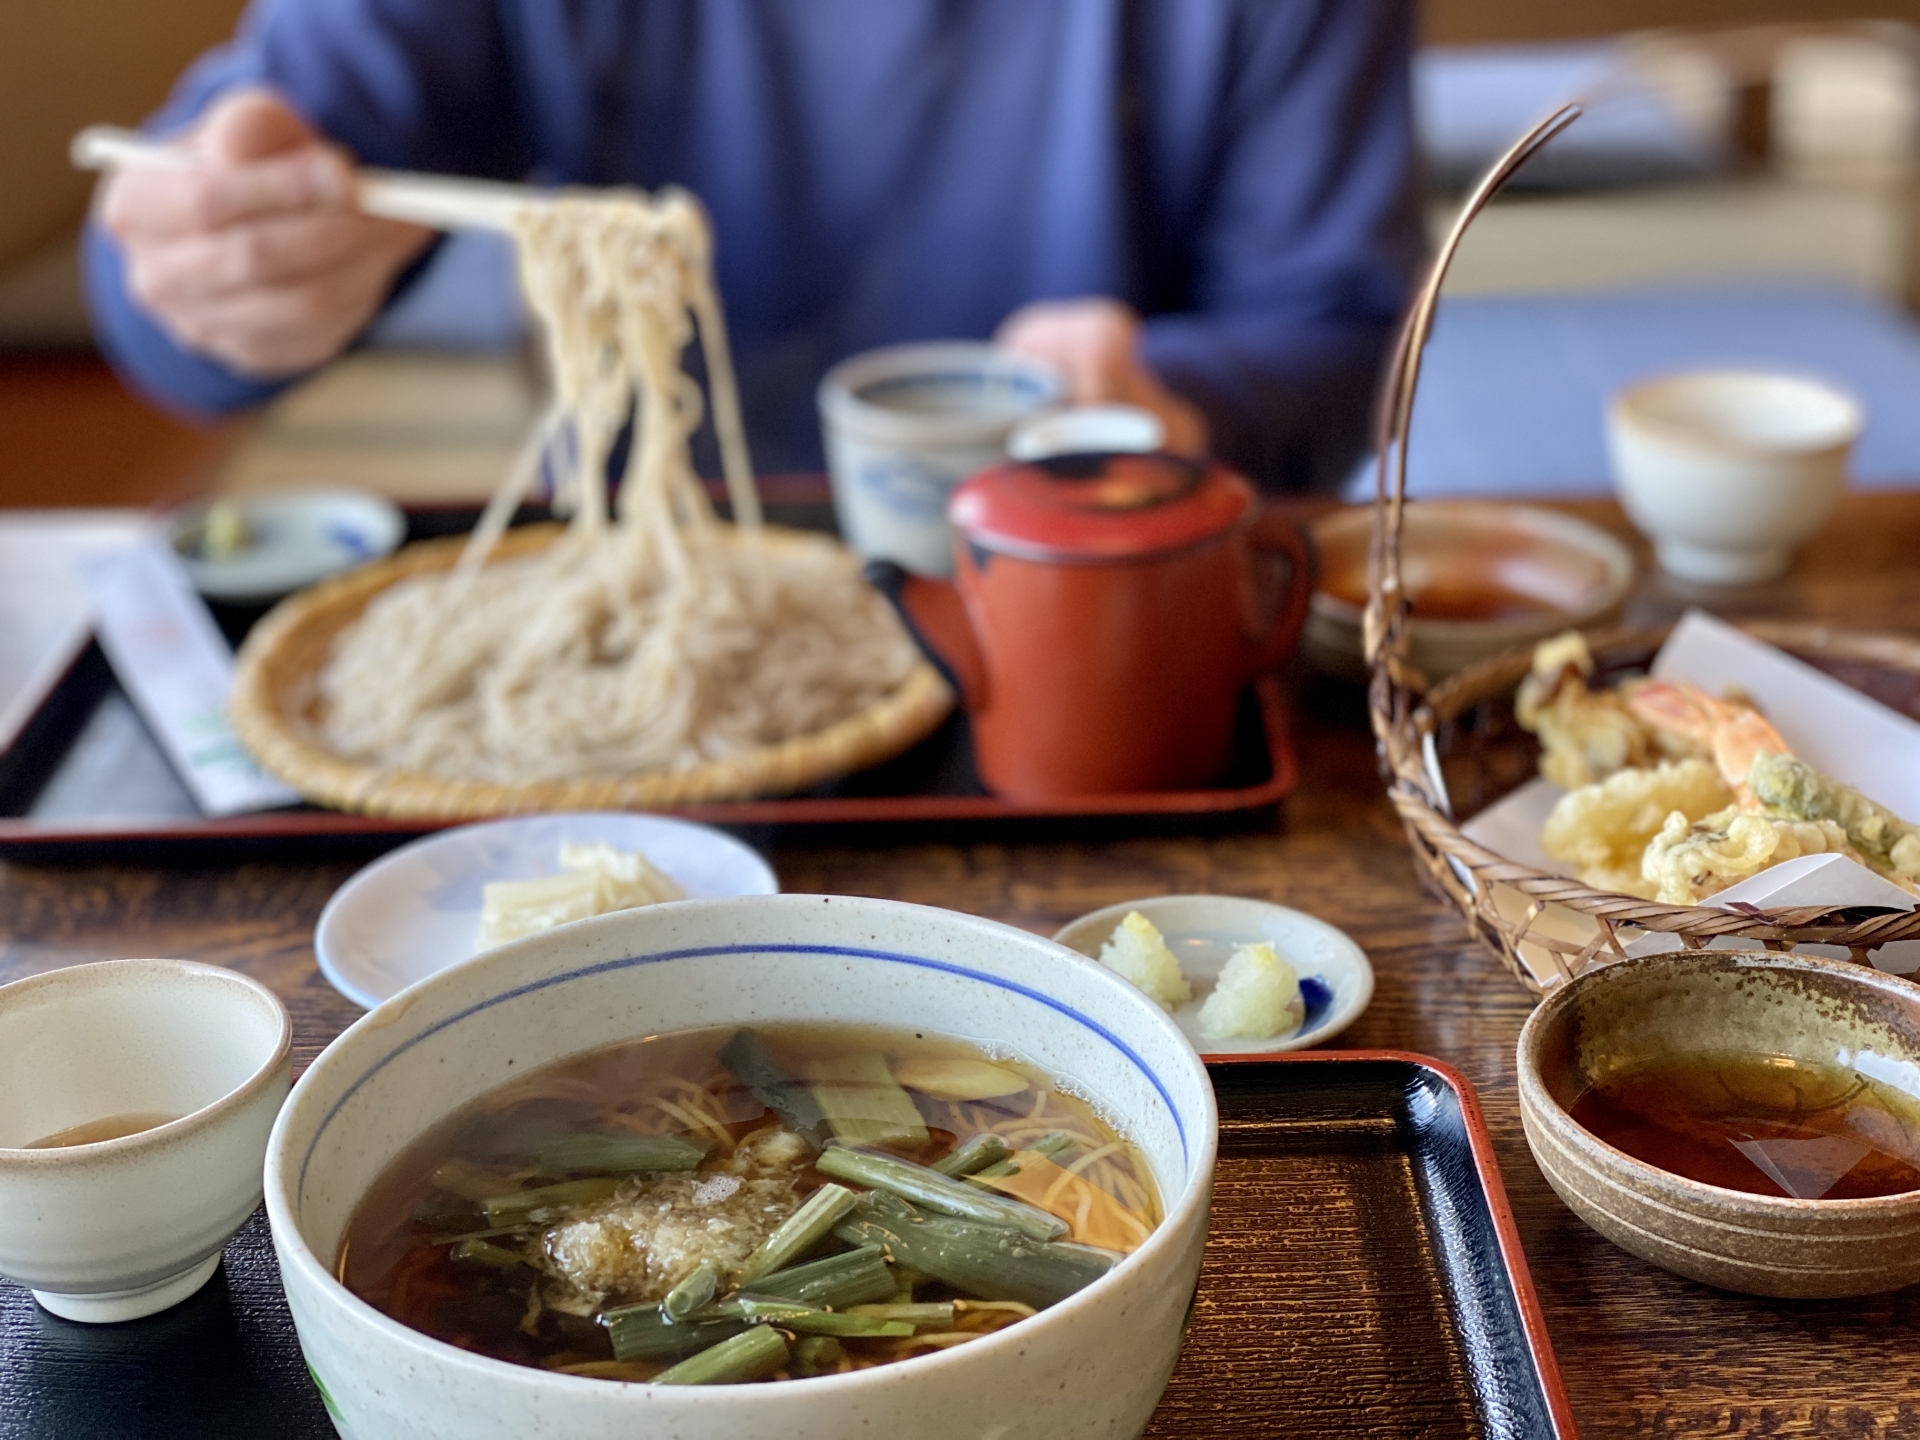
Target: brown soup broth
{"x":1768,"y":1125}
{"x":671,"y":1084}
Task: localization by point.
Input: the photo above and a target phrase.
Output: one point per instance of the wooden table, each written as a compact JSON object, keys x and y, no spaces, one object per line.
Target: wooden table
{"x":1643,"y":1352}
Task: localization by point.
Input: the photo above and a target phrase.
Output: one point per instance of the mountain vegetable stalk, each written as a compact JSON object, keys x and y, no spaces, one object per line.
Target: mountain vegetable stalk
{"x":695,"y":1290}
{"x":799,"y":1232}
{"x":593,"y":1153}
{"x":747,"y":1356}
{"x":936,"y":1192}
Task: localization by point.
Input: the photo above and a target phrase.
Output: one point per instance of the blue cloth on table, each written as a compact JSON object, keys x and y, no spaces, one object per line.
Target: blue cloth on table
{"x":1514,"y":389}
{"x":1241,"y":171}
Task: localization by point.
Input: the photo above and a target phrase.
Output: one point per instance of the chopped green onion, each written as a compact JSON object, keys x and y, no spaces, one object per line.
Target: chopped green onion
{"x":747,"y":1356}
{"x":592,"y":1152}
{"x":799,"y":1232}
{"x":750,"y":1062}
{"x":977,"y":1154}
{"x":926,"y":1315}
{"x":693,"y":1291}
{"x":483,"y":1253}
{"x":862,"y":1101}
{"x":981,"y":1260}
{"x":853,"y":1277}
{"x":504,"y":1209}
{"x":936,"y":1192}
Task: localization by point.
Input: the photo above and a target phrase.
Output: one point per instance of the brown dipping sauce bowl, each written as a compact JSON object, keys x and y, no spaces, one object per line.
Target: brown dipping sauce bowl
{"x":1105,"y":614}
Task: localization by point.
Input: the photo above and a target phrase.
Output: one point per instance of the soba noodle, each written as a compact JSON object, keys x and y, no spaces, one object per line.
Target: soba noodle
{"x":660,"y":638}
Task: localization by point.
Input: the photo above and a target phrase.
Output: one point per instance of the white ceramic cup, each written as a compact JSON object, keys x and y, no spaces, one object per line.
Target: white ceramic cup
{"x":905,"y":425}
{"x":122,"y":1228}
{"x":1093,"y":1365}
{"x":1729,"y":471}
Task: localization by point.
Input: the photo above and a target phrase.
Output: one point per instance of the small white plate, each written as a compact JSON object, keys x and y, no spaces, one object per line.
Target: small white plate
{"x":1336,"y":982}
{"x":293,"y":540}
{"x":416,"y":911}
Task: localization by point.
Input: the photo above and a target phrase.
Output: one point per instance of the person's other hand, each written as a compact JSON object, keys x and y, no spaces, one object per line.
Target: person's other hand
{"x":255,"y":255}
{"x":1096,"y":343}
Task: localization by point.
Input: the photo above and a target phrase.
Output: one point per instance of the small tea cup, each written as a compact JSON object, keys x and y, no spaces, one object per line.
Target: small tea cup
{"x":905,"y":425}
{"x":193,"y":1060}
{"x":1729,"y":471}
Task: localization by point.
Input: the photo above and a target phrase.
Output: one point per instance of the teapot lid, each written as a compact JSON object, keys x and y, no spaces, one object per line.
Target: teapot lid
{"x":1099,"y":506}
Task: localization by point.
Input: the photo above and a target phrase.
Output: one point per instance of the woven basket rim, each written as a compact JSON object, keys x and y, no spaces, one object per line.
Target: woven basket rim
{"x":275,"y":728}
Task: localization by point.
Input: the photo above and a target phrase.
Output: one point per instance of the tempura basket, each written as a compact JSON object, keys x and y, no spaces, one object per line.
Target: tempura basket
{"x":1545,"y":928}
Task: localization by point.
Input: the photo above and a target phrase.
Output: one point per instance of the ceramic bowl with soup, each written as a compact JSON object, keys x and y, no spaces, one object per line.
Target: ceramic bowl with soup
{"x":1481,"y":576}
{"x":1742,"y":1118}
{"x":795,"y":1165}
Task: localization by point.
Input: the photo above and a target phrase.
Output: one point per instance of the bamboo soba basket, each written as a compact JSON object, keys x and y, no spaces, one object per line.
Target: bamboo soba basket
{"x":275,"y":710}
{"x":1459,"y":737}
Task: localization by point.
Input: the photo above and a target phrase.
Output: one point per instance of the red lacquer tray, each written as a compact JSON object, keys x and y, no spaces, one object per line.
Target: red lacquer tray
{"x":65,"y":785}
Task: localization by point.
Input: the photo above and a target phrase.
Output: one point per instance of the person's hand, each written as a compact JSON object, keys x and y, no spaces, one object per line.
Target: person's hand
{"x":255,"y":255}
{"x":1095,"y":342}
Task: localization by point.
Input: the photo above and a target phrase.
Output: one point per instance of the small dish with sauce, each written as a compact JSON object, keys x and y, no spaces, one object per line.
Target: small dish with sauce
{"x":1746,"y":1119}
{"x":1482,"y":577}
{"x":135,"y":1101}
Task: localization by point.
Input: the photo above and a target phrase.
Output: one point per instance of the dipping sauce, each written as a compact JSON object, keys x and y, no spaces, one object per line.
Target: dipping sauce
{"x":113,"y":1127}
{"x":1768,"y":1125}
{"x":1451,"y":597}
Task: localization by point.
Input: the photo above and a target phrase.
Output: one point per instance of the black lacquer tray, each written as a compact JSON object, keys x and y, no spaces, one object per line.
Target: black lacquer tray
{"x":1363,"y":1278}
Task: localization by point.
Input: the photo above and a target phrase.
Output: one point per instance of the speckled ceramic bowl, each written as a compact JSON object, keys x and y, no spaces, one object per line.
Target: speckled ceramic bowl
{"x":1093,"y":1365}
{"x":1719,"y":1002}
{"x":124,"y":1227}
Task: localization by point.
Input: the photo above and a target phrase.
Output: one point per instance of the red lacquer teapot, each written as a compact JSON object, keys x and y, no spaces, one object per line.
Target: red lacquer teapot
{"x":1106,"y":612}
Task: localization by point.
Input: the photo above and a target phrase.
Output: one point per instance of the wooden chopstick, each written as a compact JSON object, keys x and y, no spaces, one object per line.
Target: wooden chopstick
{"x":442,"y":202}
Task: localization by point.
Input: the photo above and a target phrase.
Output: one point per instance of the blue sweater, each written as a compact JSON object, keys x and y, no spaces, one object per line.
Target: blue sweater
{"x":1241,"y":171}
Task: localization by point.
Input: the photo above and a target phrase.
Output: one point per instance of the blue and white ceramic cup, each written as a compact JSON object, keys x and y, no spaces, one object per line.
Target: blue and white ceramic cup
{"x":905,"y":425}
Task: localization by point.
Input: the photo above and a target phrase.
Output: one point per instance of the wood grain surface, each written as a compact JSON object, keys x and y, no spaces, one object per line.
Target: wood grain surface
{"x":1643,"y":1352}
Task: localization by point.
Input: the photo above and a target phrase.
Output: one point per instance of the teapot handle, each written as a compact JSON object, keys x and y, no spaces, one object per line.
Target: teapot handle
{"x":1275,"y":543}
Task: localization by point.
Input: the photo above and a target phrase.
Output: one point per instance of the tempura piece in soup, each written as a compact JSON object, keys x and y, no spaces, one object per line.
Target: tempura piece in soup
{"x":1602,"y":830}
